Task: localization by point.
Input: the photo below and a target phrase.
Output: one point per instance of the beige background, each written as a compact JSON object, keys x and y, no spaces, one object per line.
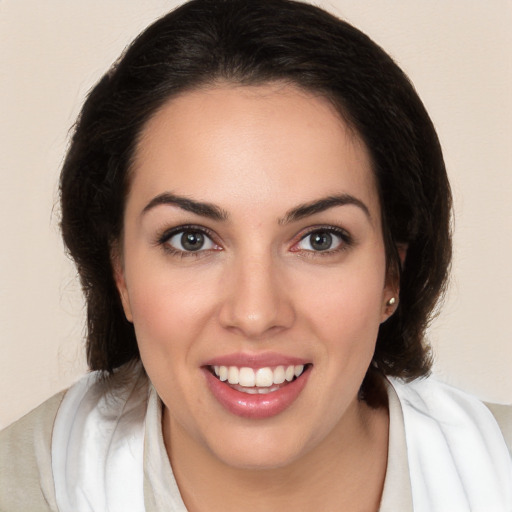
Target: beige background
{"x":457,"y":52}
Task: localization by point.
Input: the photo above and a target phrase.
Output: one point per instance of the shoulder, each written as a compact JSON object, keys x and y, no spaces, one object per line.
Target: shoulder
{"x":454,"y":409}
{"x":28,"y":449}
{"x":456,"y":450}
{"x":503,"y":416}
{"x":25,"y":460}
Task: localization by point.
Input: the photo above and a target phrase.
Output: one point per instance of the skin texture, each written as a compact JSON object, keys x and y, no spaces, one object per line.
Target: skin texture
{"x":257,"y":286}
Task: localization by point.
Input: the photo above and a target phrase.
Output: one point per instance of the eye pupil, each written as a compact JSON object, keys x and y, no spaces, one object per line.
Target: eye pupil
{"x":192,"y":240}
{"x":321,"y":241}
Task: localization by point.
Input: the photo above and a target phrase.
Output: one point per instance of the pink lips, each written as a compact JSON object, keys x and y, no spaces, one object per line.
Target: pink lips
{"x":255,"y":360}
{"x":255,"y":406}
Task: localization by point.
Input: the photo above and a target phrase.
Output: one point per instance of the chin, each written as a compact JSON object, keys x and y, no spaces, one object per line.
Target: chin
{"x":257,"y":460}
{"x":259,"y":450}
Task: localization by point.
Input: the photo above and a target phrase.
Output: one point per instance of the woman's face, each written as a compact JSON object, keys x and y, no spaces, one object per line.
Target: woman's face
{"x":252,"y":252}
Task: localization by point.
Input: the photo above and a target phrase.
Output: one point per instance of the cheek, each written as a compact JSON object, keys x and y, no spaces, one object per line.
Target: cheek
{"x":169,"y":308}
{"x":345,"y":311}
{"x":169,"y":317}
{"x":354,"y":295}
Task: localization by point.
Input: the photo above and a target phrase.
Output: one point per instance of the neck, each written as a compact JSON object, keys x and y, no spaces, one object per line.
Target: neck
{"x":345,"y":471}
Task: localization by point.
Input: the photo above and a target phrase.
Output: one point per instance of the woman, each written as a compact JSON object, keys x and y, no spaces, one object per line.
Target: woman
{"x":258,"y":208}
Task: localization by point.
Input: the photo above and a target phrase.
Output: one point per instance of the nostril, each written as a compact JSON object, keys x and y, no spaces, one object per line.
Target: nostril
{"x":254,"y":301}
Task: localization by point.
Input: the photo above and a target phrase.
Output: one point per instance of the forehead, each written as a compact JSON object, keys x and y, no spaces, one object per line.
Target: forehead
{"x":271,"y":145}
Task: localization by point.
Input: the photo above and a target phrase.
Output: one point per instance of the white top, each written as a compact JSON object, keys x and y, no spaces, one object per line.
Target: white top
{"x":445,"y":451}
{"x":107,"y":453}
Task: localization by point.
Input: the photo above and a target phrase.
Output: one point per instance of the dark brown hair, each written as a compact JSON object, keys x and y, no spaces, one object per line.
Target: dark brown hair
{"x":253,"y":42}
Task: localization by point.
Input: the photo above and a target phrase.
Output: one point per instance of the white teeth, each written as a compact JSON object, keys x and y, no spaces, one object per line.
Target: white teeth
{"x":256,"y":390}
{"x":223,"y":373}
{"x":233,"y":375}
{"x":250,"y":391}
{"x":262,"y":378}
{"x":246,"y":377}
{"x":279,"y":375}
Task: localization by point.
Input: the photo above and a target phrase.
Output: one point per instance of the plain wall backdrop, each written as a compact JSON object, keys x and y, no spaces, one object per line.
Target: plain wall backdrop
{"x":458,"y":53}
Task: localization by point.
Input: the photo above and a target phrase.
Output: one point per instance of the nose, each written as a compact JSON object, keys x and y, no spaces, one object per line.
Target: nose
{"x":256,"y":299}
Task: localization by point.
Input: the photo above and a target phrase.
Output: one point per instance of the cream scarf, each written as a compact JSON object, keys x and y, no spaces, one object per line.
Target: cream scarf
{"x":457,"y":456}
{"x":458,"y":459}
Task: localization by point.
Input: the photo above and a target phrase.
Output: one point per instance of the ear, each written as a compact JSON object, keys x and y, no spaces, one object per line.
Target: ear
{"x":120,"y":280}
{"x":402,"y":252}
{"x":392,"y":285}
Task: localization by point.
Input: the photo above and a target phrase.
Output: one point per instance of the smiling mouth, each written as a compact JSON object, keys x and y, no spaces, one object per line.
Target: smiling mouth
{"x":258,"y":380}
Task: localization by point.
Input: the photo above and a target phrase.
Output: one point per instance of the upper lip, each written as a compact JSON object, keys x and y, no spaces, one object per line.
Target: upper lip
{"x":254,"y":360}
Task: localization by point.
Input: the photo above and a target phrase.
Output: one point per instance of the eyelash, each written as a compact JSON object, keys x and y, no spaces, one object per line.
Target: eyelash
{"x":168,"y":234}
{"x":346,"y":241}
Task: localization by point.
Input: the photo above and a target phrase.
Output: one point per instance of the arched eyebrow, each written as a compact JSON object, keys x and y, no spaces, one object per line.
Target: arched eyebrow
{"x":320,"y":205}
{"x":190,"y":205}
{"x":214,"y":212}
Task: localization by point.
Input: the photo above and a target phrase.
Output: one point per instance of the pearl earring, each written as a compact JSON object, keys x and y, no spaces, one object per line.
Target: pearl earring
{"x":391,"y":301}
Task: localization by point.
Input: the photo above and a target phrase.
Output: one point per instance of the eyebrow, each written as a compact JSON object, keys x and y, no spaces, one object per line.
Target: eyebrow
{"x":320,"y":205}
{"x":216,"y":213}
{"x":199,"y":208}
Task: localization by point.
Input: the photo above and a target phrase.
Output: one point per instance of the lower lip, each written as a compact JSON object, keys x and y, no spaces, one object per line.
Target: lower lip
{"x":258,"y":406}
